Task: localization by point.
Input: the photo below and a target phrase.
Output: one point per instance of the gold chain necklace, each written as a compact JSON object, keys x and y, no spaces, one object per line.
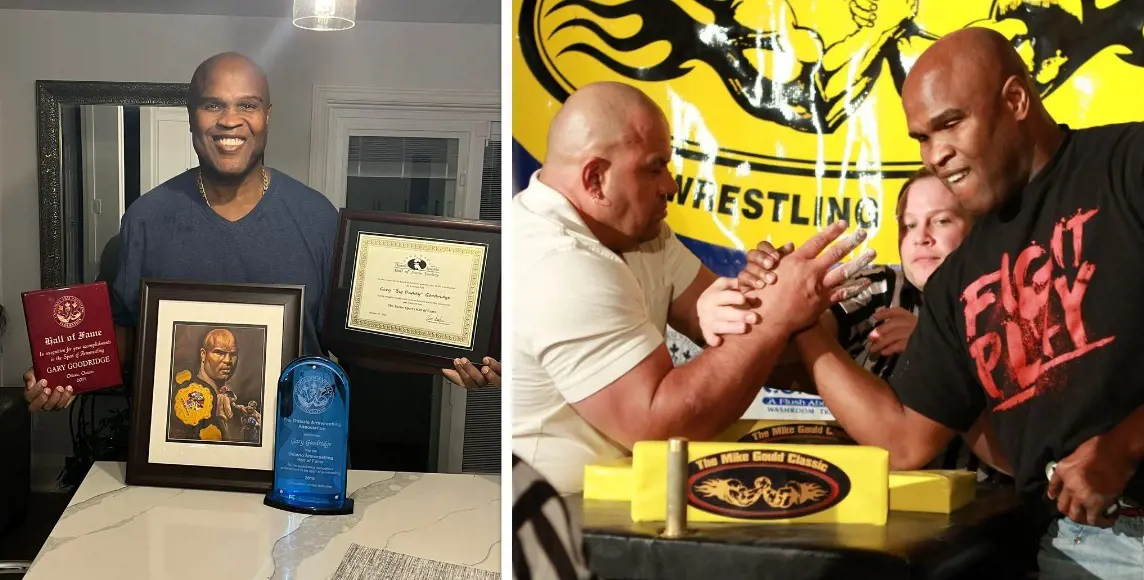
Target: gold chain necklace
{"x":203,"y":190}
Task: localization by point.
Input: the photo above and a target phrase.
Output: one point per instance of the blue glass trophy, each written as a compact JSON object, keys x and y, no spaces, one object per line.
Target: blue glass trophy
{"x":312,"y":439}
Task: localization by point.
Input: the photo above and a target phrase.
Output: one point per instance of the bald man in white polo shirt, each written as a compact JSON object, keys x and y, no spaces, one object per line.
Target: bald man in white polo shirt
{"x":597,"y":277}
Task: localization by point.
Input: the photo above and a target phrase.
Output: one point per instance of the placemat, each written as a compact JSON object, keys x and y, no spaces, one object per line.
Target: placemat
{"x":362,"y":563}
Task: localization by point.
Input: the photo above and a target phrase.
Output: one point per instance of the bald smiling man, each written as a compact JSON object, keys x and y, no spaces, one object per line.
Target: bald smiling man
{"x":598,"y":275}
{"x":232,"y":219}
{"x":1036,"y":316}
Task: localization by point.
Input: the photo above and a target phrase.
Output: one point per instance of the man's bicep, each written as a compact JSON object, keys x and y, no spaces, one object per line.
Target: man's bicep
{"x":585,"y":321}
{"x":622,"y":409}
{"x":933,"y":377}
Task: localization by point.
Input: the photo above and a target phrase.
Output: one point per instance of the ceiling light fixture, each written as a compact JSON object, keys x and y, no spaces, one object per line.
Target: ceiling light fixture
{"x":325,"y":14}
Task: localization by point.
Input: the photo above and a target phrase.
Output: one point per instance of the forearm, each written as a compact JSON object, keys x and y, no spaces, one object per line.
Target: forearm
{"x":791,"y":377}
{"x":1130,"y":434}
{"x":789,"y":373}
{"x":867,"y":44}
{"x":862,"y":402}
{"x":703,"y":397}
{"x":985,"y":445}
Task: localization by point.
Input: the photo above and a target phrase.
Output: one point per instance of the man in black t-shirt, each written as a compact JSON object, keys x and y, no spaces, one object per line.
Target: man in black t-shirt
{"x":1036,"y":316}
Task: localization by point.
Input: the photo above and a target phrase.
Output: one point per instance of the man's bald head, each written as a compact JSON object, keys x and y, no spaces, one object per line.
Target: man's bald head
{"x":608,"y":151}
{"x":598,"y":117}
{"x":971,"y":104}
{"x":218,"y":336}
{"x":980,"y":56}
{"x":227,"y":63}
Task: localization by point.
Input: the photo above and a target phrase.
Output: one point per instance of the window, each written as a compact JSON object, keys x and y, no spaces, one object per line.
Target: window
{"x":402,"y":174}
{"x":482,"y":442}
{"x":491,"y":180}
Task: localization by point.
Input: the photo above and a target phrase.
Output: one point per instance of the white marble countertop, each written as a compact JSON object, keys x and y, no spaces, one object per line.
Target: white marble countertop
{"x":113,"y":531}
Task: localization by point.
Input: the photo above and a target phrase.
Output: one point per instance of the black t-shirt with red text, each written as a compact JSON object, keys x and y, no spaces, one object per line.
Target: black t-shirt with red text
{"x":1039,"y":314}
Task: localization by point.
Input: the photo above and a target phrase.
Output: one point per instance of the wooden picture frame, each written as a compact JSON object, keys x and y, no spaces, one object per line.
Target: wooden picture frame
{"x":379,"y":349}
{"x":191,"y":337}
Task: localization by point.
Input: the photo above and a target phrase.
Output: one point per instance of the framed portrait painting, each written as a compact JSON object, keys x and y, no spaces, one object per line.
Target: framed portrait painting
{"x":208,"y":359}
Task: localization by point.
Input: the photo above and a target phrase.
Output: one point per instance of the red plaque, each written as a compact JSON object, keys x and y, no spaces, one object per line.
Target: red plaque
{"x":72,"y":337}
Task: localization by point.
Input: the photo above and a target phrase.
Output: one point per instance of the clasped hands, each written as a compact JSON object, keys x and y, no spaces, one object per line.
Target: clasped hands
{"x":787,"y":286}
{"x":894,"y":324}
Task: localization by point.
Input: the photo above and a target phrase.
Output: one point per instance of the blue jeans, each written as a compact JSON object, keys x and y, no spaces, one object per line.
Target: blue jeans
{"x":1072,"y":551}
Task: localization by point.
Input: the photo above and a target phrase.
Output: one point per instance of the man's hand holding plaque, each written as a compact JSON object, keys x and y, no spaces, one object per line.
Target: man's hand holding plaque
{"x":41,"y":397}
{"x":465,"y":374}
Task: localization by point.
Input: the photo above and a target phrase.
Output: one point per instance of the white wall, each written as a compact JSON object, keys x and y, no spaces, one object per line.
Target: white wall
{"x":43,"y":45}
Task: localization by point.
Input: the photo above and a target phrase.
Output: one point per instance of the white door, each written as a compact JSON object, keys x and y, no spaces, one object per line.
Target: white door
{"x":165,"y":148}
{"x":101,"y":128}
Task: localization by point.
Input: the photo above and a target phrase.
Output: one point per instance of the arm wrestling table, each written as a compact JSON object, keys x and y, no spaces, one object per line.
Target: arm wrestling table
{"x":981,"y":540}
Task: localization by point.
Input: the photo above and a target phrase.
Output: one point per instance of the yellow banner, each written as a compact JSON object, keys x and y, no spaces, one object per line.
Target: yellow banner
{"x":786,"y":115}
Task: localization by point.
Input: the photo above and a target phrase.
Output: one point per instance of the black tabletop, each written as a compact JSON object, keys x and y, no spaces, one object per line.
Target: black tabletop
{"x":986,"y":539}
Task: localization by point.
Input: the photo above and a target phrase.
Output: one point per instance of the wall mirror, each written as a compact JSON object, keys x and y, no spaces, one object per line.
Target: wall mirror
{"x":101,"y":145}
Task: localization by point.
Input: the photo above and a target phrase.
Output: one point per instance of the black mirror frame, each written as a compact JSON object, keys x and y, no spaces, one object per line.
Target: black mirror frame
{"x":49,"y":96}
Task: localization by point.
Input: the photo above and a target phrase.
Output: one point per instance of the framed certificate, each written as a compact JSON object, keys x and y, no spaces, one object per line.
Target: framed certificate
{"x":411,"y":293}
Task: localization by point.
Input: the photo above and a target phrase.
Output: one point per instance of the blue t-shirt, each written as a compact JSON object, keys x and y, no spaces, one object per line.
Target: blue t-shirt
{"x":170,"y":233}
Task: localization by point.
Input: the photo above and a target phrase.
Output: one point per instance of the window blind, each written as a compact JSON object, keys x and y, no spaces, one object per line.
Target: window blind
{"x":482,"y":447}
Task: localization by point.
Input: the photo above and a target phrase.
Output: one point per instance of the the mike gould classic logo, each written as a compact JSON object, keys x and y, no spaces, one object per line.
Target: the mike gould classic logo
{"x":765,"y":484}
{"x":786,"y":115}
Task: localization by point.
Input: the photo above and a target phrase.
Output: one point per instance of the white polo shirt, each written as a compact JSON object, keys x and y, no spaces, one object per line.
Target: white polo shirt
{"x":583,"y":317}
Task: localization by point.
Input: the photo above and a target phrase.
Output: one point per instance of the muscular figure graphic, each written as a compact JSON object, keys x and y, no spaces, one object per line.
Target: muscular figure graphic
{"x":774,"y":67}
{"x":1056,"y":37}
{"x":779,"y":69}
{"x":204,"y":406}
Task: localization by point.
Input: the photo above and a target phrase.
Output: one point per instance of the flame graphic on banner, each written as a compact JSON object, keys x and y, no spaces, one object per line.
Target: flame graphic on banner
{"x":831,"y":81}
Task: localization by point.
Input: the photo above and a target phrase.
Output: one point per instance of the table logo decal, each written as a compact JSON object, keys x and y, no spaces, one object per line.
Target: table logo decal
{"x":765,"y":484}
{"x":799,"y":433}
